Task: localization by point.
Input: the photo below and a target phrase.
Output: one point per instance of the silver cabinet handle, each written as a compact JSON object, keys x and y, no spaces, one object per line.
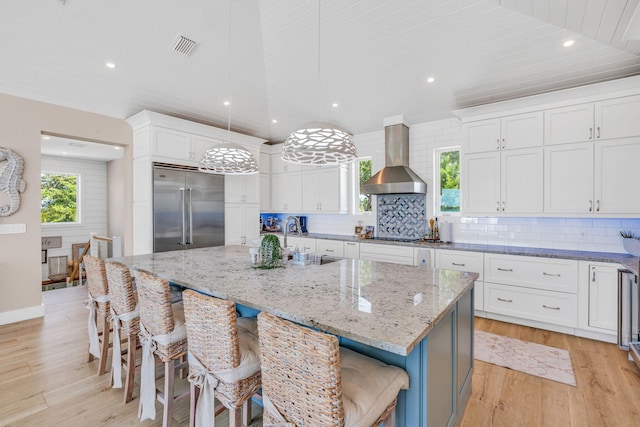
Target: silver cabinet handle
{"x":498,"y":144}
{"x":503,"y":203}
{"x":590,"y":205}
{"x":504,"y":300}
{"x":590,"y":133}
{"x":505,"y":269}
{"x":544,"y":273}
{"x":593,"y":274}
{"x":459,"y":265}
{"x":598,"y":132}
{"x":350,"y":244}
{"x":551,"y":308}
{"x":329,"y":250}
{"x":597,"y":205}
{"x":502,"y":142}
{"x":184,"y":225}
{"x":498,"y":206}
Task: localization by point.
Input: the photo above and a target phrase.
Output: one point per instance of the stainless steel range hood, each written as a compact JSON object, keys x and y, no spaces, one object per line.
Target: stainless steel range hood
{"x":395,"y":177}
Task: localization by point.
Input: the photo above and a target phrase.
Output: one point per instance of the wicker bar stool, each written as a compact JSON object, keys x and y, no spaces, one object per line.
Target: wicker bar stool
{"x":99,"y":310}
{"x":163,"y":333}
{"x":124,"y":318}
{"x":224,"y":359}
{"x":308,"y":380}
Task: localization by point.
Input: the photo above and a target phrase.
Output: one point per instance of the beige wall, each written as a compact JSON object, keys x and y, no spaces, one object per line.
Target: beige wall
{"x":21,"y":123}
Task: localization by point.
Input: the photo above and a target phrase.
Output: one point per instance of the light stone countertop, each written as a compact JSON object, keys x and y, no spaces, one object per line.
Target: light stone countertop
{"x":628,"y":261}
{"x":387,"y":306}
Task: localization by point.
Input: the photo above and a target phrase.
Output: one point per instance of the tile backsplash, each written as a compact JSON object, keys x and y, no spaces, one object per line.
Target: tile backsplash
{"x":401,"y":216}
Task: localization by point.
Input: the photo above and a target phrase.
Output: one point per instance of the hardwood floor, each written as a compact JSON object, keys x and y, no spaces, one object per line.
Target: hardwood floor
{"x":45,"y":380}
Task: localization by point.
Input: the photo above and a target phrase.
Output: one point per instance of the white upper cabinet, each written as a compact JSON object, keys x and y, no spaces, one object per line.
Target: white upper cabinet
{"x":242,"y":188}
{"x":568,"y":182}
{"x":280,"y":166}
{"x":325,"y":189}
{"x":616,"y":173}
{"x":171,"y":144}
{"x":286,"y":192}
{"x":510,"y":182}
{"x":516,"y":131}
{"x":613,"y":118}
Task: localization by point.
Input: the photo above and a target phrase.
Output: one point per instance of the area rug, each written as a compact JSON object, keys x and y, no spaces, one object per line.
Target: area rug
{"x":534,"y":359}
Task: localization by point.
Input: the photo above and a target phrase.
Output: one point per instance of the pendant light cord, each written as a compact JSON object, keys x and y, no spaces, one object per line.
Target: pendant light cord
{"x":229,"y":75}
{"x":319,"y":78}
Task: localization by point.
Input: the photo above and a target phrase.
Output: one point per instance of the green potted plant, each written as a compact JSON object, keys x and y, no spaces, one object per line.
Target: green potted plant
{"x":630,"y":242}
{"x":270,"y":252}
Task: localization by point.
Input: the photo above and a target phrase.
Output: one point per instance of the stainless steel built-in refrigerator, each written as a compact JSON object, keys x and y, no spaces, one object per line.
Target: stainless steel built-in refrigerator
{"x":188,"y":209}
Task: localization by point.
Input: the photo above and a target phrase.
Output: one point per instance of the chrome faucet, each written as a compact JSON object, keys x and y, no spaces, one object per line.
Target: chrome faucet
{"x":286,"y":227}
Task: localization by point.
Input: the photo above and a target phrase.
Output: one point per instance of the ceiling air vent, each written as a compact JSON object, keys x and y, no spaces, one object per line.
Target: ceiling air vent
{"x":183,"y":45}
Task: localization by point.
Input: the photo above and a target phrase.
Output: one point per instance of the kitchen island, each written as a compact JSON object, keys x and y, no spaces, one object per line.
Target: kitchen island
{"x":413,"y":317}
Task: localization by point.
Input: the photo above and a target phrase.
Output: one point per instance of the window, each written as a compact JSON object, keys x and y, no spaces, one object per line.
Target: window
{"x":364,"y":173}
{"x":447,"y":180}
{"x":59,"y":197}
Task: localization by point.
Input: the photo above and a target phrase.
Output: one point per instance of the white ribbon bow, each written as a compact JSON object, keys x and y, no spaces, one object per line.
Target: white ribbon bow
{"x":273,"y":411}
{"x":147,"y":408}
{"x":116,"y":363}
{"x":208,"y":381}
{"x":94,"y":342}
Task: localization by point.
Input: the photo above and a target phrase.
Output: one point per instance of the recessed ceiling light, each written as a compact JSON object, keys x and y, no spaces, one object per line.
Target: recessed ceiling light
{"x":110,"y":65}
{"x":274,"y":121}
{"x":430,"y":80}
{"x":115,"y":147}
{"x":46,"y":137}
{"x":227,"y":103}
{"x":335,"y":105}
{"x":64,"y":152}
{"x":568,"y":43}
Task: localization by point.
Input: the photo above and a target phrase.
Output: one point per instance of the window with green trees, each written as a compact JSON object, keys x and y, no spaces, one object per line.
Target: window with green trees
{"x":364,"y":170}
{"x":447,"y":179}
{"x":59,"y":197}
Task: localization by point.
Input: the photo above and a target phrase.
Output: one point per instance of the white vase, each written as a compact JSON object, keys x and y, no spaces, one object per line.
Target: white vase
{"x":632,"y":246}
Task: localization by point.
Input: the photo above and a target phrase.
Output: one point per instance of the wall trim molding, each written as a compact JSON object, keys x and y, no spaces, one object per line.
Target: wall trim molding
{"x":21,"y":314}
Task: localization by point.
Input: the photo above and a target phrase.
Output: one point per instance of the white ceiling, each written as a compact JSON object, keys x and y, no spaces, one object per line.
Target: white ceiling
{"x":375,"y":56}
{"x":78,"y":149}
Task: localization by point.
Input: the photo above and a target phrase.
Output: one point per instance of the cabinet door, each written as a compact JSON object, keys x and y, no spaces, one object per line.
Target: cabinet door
{"x":568,"y":124}
{"x":265,"y":192}
{"x":280,"y":166}
{"x":310,"y":190}
{"x":481,"y":183}
{"x":618,"y":118}
{"x":233,"y":224}
{"x":352,"y":250}
{"x":522,"y":130}
{"x":568,"y":179}
{"x":332,"y":189}
{"x":251,"y":221}
{"x":603,"y":297}
{"x":330,"y":247}
{"x":480,"y":136}
{"x":286,"y":192}
{"x":522,"y":181}
{"x":242,"y":188}
{"x":171,"y":144}
{"x":616,"y":171}
{"x":201,"y":144}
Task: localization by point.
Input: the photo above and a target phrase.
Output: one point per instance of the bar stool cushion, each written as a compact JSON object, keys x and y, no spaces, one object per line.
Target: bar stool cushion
{"x":368,"y":386}
{"x":180,"y":330}
{"x":249,"y":346}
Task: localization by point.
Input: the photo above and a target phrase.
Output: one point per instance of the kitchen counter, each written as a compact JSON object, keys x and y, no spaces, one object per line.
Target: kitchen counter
{"x":628,"y":261}
{"x":364,"y":301}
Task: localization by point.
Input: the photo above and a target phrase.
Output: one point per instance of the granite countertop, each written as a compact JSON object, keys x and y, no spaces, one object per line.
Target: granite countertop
{"x":628,"y":261}
{"x":387,"y":306}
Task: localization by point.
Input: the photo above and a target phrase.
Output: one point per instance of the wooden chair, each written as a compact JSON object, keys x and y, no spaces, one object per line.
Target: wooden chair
{"x":163,"y":334}
{"x":99,"y":310}
{"x":224,"y":359}
{"x":125,"y":318}
{"x":308,"y":380}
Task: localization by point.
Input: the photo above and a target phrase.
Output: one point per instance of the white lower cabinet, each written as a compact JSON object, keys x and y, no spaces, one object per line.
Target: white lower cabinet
{"x":352,"y":250}
{"x":532,"y":289}
{"x":304,"y":244}
{"x":241,"y":223}
{"x":386,"y":253}
{"x":598,"y":314}
{"x":330,"y":247}
{"x":465,"y":261}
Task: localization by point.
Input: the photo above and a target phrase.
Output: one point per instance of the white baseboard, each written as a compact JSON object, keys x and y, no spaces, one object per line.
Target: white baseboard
{"x":22,"y":314}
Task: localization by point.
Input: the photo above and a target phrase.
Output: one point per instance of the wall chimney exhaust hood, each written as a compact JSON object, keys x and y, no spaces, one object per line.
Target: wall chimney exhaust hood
{"x":395,"y":177}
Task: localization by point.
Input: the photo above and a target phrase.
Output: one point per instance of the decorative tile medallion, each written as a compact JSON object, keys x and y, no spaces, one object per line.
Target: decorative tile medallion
{"x":402,"y":216}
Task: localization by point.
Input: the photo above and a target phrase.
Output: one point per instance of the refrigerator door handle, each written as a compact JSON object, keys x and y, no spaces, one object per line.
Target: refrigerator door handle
{"x":184,"y":227}
{"x":190,"y":241}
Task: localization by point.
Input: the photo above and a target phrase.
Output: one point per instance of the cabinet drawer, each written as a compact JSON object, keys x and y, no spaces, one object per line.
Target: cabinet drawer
{"x":304,"y":244}
{"x":352,"y":250}
{"x":533,"y":304}
{"x":386,"y":253}
{"x":541,"y":273}
{"x":330,"y":247}
{"x":461,"y":261}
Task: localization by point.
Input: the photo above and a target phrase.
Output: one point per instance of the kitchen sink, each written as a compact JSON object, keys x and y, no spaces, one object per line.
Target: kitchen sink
{"x":329,"y":259}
